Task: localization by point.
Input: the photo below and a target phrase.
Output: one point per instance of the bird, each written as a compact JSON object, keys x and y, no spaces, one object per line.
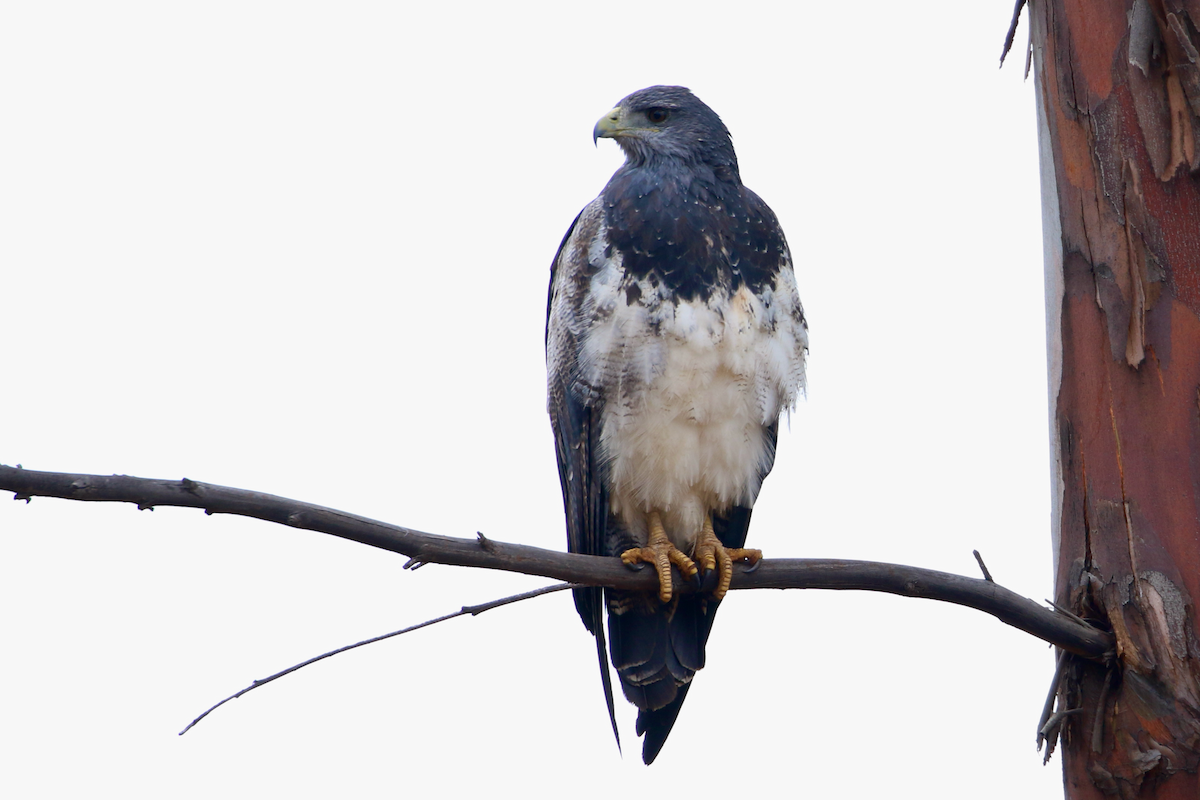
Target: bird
{"x":675,"y":341}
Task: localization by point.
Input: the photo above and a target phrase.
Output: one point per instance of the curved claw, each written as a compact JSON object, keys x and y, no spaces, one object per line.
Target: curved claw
{"x":660,"y":552}
{"x":712,"y":554}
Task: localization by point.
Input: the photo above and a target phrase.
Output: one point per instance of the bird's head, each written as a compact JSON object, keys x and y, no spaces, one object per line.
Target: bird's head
{"x":668,"y":122}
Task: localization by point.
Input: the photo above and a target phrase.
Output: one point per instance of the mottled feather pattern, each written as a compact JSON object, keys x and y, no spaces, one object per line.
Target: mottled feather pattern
{"x":675,"y":340}
{"x":688,"y":387}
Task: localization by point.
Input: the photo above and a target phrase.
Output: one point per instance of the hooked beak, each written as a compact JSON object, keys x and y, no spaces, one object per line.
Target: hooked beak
{"x":608,"y":127}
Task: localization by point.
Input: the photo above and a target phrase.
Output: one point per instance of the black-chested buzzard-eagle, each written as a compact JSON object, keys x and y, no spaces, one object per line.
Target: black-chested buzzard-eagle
{"x":675,"y":339}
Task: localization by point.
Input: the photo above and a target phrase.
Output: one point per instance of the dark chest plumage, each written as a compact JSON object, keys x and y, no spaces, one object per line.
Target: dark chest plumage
{"x":691,"y":231}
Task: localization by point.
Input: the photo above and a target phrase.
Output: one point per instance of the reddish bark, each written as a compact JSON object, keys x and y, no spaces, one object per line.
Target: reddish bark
{"x":1119,"y":117}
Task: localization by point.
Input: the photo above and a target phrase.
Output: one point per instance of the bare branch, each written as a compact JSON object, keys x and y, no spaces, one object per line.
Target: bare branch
{"x":428,"y":548}
{"x":472,"y":610}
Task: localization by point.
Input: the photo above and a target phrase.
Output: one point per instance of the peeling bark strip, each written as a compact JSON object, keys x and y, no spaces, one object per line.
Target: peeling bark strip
{"x":1118,"y":90}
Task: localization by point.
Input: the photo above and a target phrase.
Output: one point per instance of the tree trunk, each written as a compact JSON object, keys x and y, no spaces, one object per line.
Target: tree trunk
{"x":1118,"y":92}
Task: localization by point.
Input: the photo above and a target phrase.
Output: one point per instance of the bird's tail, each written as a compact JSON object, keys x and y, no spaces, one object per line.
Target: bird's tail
{"x":656,"y":725}
{"x":657,"y":650}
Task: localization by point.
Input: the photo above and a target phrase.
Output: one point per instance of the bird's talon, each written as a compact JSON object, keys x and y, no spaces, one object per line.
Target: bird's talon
{"x":660,"y":552}
{"x":748,"y":557}
{"x":713,"y":554}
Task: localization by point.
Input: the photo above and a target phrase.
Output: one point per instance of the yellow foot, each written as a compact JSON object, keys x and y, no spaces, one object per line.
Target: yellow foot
{"x":710,"y":554}
{"x":662,"y":554}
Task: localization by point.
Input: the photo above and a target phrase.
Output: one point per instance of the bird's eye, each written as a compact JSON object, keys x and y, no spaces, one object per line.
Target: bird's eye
{"x":658,"y":115}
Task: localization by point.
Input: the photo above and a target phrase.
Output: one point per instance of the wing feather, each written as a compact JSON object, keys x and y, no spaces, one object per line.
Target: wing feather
{"x":575,"y":417}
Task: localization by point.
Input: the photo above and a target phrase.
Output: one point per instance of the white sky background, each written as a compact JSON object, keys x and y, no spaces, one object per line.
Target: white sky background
{"x":303,"y":249}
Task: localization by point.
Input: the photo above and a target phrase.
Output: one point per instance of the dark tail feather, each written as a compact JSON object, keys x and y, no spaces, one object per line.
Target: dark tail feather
{"x":657,"y":651}
{"x":606,"y":679}
{"x":656,"y":725}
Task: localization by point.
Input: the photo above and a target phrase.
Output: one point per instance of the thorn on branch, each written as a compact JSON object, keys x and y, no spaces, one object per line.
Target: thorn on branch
{"x":190,"y":486}
{"x":414,"y":564}
{"x":987,"y":576}
{"x":145,"y":507}
{"x":22,"y":495}
{"x":485,"y":542}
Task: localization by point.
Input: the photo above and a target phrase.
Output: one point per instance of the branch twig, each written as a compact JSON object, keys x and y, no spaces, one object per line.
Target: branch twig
{"x":1048,"y":707}
{"x":472,"y":610}
{"x":1012,"y":32}
{"x":427,"y":548}
{"x":987,"y":576}
{"x":1050,"y":732}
